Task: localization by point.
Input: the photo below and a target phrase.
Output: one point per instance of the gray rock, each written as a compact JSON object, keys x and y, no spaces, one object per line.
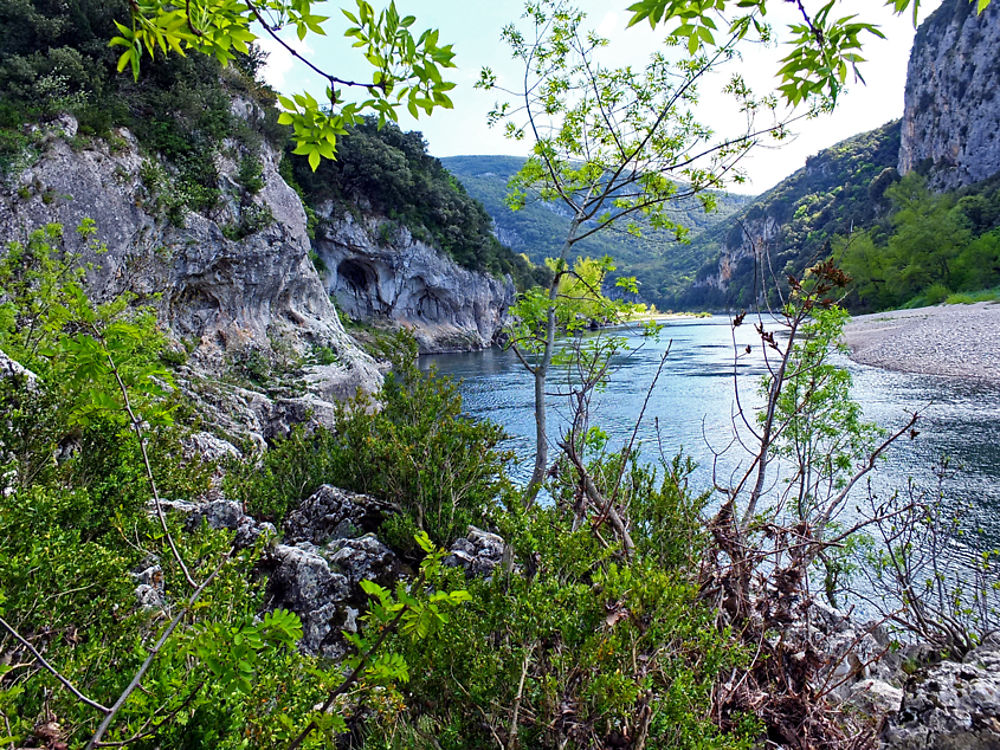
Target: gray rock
{"x":149,"y":591}
{"x":479,"y":552}
{"x":951,"y":108}
{"x":302,"y":581}
{"x":226,"y":514}
{"x":218,"y":514}
{"x":9,"y":368}
{"x":411,"y":284}
{"x":364,"y":559}
{"x":950,"y":706}
{"x":174,"y":506}
{"x":333,"y":513}
{"x":149,"y":597}
{"x":208,"y":447}
{"x":858,"y":653}
{"x":875,"y":697}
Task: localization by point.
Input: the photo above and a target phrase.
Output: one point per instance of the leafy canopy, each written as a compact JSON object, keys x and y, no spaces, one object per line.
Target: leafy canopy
{"x":824,"y":47}
{"x":406,"y":70}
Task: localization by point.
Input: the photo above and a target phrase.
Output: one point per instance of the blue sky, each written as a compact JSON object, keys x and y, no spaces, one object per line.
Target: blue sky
{"x":474,"y":29}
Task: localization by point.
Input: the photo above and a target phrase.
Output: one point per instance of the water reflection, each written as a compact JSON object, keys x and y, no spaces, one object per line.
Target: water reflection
{"x":693,"y":406}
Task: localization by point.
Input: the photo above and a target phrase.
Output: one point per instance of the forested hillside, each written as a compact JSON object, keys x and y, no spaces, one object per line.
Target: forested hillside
{"x":930,"y":248}
{"x":662,"y":264}
{"x":839,"y":189}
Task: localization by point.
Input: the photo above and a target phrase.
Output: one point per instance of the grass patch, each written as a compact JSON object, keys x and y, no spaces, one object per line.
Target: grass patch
{"x":969,"y":298}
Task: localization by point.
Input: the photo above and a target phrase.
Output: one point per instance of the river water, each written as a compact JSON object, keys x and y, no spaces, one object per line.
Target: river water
{"x":692,"y":405}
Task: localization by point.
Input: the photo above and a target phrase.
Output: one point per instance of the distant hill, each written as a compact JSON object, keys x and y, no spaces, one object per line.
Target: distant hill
{"x":664,"y":266}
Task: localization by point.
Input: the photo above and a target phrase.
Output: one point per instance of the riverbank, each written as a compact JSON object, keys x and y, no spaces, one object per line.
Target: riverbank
{"x":953,"y":340}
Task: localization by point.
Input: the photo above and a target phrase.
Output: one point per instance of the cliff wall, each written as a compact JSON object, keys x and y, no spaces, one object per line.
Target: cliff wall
{"x":952,"y":104}
{"x":233,"y":284}
{"x":377,"y":271}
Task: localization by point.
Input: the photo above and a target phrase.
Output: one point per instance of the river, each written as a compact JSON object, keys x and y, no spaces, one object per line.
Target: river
{"x":692,"y":404}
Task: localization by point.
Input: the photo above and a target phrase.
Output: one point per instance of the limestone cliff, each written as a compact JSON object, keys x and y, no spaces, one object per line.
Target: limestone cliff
{"x":952,"y":107}
{"x":235,"y":283}
{"x":378,"y":271}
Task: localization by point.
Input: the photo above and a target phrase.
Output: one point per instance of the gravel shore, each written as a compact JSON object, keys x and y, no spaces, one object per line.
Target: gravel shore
{"x":955,"y":340}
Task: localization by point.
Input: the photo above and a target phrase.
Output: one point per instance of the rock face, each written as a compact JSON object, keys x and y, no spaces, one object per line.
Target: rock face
{"x":952,"y":103}
{"x":222,"y":297}
{"x":950,"y":705}
{"x":786,"y":230}
{"x":377,"y":271}
{"x":739,"y":259}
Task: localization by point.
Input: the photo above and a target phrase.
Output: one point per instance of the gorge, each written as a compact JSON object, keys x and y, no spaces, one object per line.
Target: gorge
{"x":240,"y":508}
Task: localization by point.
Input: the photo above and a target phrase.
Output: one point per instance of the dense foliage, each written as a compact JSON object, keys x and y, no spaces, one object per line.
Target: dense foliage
{"x":443,"y":469}
{"x":80,"y":527}
{"x":931,"y":246}
{"x":839,"y":189}
{"x":390,"y":172}
{"x":54,"y":58}
{"x":585,"y":649}
{"x":87,"y":446}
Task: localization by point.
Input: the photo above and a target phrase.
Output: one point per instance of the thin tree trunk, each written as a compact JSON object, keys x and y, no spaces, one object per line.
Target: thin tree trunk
{"x":541,"y":373}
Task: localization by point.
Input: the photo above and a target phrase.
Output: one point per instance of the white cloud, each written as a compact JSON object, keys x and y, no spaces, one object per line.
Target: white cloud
{"x":280,"y":62}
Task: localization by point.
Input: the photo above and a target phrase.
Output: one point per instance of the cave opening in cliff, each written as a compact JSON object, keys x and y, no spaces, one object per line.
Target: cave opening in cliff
{"x":357,"y":276}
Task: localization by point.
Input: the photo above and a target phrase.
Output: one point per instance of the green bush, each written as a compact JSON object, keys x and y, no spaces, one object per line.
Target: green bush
{"x":588,"y":648}
{"x":409,"y":444}
{"x":936,"y":293}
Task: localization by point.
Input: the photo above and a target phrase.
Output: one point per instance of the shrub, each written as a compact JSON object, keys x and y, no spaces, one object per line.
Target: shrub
{"x":410,"y":444}
{"x":578,"y":647}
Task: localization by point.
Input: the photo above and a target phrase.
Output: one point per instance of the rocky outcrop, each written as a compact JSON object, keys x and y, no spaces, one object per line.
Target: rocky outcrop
{"x":950,"y":705}
{"x":219,"y":287}
{"x":756,"y":239}
{"x":12,"y":369}
{"x":377,"y":271}
{"x":478,"y":553}
{"x":328,"y":548}
{"x":333,"y":513}
{"x":952,"y":104}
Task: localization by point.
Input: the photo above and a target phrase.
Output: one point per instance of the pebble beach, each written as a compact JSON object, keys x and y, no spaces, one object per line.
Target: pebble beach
{"x":954,"y":340}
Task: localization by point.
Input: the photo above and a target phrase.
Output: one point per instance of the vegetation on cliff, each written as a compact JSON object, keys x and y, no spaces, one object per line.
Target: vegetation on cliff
{"x":793,"y":223}
{"x":389,"y":172}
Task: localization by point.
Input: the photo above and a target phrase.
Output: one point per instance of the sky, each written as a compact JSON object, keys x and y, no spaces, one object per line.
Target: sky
{"x":474,"y":30}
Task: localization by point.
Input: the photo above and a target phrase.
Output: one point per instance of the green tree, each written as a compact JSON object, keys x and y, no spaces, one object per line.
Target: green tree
{"x":610,"y":145}
{"x":928,"y":235}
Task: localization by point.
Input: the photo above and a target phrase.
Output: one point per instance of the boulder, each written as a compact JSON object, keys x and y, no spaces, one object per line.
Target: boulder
{"x":479,"y":552}
{"x":208,"y":447}
{"x":149,"y":590}
{"x":950,"y":705}
{"x":302,"y":581}
{"x":364,"y":558}
{"x":226,"y":514}
{"x":9,"y":368}
{"x":333,"y":513}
